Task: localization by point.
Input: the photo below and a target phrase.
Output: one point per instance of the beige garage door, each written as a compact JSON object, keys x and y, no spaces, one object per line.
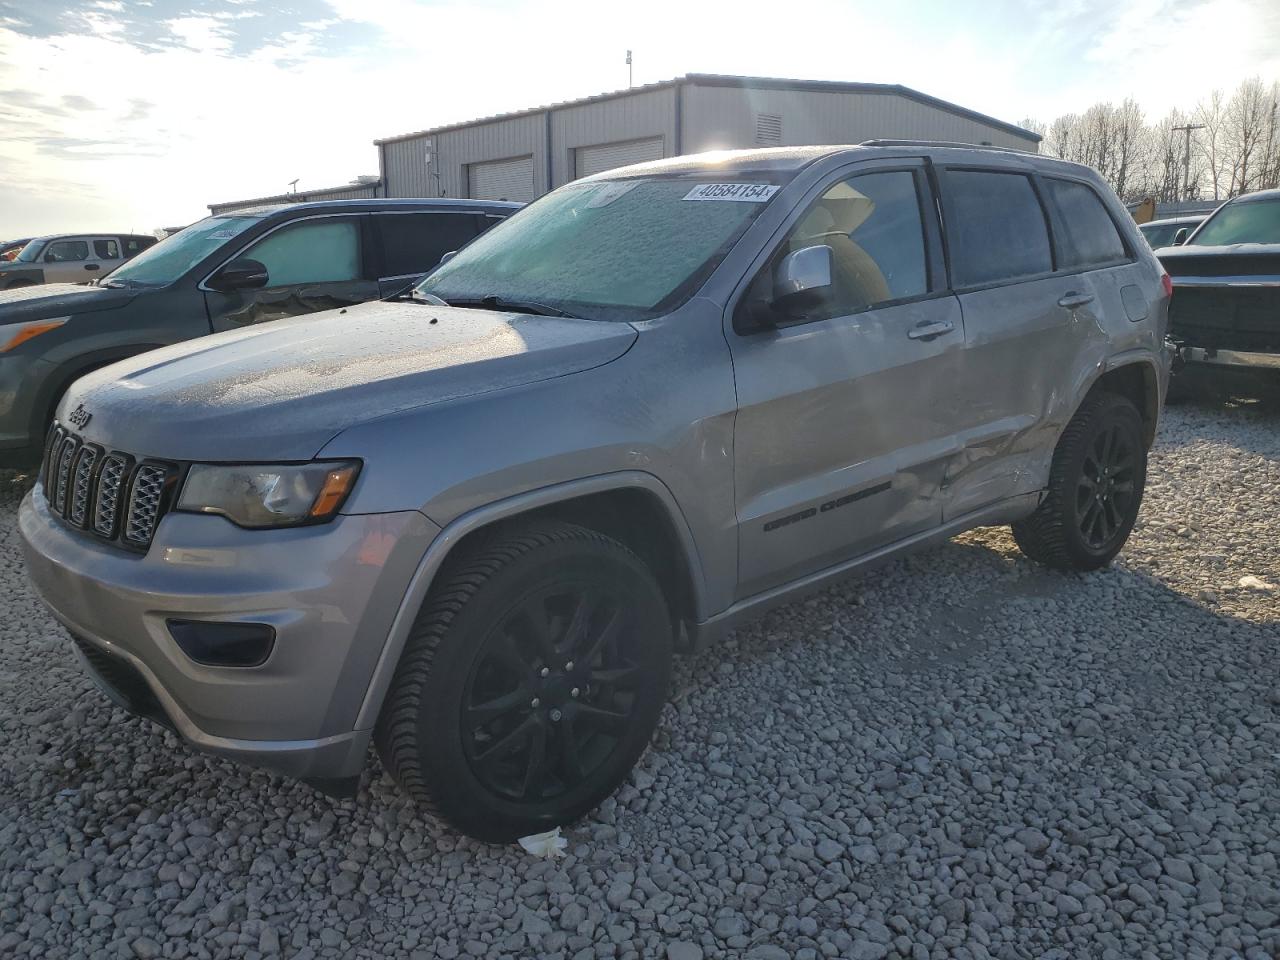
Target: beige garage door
{"x":501,"y":180}
{"x":607,"y":156}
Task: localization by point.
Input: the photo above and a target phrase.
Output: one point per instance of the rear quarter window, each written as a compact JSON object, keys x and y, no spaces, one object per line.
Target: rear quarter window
{"x":1087,"y":236}
{"x":996,"y":227}
{"x":415,"y":242}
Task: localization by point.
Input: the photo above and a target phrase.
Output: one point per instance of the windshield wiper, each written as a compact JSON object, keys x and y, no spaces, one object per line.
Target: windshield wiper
{"x":493,"y":302}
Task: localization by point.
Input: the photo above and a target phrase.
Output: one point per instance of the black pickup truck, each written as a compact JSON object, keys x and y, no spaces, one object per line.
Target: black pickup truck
{"x":219,"y":274}
{"x":1224,"y":319}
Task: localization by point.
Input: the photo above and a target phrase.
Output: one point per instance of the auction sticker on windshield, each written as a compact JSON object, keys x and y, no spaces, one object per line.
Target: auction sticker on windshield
{"x":741,"y":192}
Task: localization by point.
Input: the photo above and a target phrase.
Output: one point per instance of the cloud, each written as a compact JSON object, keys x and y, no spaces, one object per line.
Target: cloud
{"x":138,"y":110}
{"x":207,"y":100}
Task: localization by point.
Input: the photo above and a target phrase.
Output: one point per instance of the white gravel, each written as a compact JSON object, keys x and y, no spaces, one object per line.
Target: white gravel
{"x":959,"y":756}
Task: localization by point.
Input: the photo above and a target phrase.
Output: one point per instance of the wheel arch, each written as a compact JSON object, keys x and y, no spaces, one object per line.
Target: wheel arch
{"x":60,"y":380}
{"x":633,"y":507}
{"x":1137,"y":379}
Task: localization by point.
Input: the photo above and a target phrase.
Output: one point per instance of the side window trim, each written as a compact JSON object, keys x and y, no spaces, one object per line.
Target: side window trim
{"x":935,"y":278}
{"x":203,"y":285}
{"x":948,"y":211}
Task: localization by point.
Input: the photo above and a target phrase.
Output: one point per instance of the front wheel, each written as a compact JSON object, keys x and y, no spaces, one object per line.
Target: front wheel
{"x":1096,"y":482}
{"x":531,"y":683}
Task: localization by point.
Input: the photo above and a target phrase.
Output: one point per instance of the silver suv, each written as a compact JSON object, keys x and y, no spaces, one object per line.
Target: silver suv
{"x":472,"y":526}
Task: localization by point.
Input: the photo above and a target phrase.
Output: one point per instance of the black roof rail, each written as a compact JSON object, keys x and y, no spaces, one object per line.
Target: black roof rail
{"x":939,"y":143}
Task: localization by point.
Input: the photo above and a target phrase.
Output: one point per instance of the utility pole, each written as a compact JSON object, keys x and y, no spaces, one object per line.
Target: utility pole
{"x":1186,"y":157}
{"x":630,"y":80}
{"x":294,"y":185}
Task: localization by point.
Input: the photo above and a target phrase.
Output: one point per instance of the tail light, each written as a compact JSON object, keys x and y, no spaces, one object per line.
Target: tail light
{"x":1166,"y":282}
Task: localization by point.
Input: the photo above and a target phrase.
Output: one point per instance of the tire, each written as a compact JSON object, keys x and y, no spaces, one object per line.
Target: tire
{"x":490,"y":722}
{"x":1102,"y":447}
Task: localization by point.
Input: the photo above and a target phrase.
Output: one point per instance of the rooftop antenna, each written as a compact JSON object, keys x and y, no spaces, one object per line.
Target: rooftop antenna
{"x":630,"y":80}
{"x":294,"y":185}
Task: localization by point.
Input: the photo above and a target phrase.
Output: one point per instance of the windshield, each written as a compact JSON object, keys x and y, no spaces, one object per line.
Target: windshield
{"x":173,"y":256}
{"x":611,"y":250}
{"x":29,"y":252}
{"x":1254,"y":221}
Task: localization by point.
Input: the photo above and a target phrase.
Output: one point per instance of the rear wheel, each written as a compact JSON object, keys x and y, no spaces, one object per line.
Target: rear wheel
{"x":531,"y":683}
{"x":1096,"y":482}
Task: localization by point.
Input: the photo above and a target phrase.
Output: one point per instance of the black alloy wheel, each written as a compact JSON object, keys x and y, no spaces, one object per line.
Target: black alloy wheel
{"x":531,"y":682}
{"x":1105,"y":492}
{"x":1094,"y":491}
{"x":553,"y":693}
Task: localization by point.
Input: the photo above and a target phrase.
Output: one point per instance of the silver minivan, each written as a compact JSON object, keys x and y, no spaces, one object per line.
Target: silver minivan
{"x":473,"y":524}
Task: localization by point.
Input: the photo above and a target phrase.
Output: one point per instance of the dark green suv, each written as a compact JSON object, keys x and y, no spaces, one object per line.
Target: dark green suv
{"x":219,"y":274}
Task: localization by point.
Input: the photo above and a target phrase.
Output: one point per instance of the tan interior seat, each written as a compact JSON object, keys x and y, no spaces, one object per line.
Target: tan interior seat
{"x":857,"y":279}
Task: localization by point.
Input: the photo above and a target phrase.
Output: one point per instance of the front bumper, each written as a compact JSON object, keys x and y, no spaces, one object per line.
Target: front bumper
{"x":330,"y":592}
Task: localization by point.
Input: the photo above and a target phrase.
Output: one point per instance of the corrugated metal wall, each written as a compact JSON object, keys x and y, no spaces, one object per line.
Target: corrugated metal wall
{"x":642,"y":115}
{"x":362,"y":192}
{"x":408,"y":175}
{"x":725,"y":118}
{"x":713,"y":117}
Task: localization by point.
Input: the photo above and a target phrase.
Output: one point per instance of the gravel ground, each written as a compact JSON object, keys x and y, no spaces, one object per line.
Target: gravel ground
{"x":960,"y":755}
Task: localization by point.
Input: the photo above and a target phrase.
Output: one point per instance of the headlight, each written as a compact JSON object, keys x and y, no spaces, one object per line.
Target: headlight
{"x":268,"y":495}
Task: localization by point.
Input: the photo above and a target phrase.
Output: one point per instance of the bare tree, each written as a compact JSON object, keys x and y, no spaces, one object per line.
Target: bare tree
{"x":1167,"y":158}
{"x":1245,"y":132}
{"x":1269,"y":177}
{"x":1209,"y":143}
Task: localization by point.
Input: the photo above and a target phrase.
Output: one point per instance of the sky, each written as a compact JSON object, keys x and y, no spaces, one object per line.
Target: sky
{"x":128,"y":116}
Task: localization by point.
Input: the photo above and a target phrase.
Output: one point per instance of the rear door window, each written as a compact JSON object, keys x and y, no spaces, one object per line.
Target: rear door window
{"x":996,"y":228}
{"x":106,"y":249}
{"x":1087,"y":235}
{"x":67,"y":251}
{"x":325,"y":250}
{"x":414,"y":242}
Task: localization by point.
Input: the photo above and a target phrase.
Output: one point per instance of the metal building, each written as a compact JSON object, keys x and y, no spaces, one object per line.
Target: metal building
{"x":520,"y":156}
{"x":362,"y":189}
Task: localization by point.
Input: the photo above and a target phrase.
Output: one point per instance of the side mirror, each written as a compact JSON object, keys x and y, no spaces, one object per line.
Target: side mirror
{"x":240,"y":274}
{"x":49,"y":258}
{"x":803,"y":278}
{"x":1180,"y":237}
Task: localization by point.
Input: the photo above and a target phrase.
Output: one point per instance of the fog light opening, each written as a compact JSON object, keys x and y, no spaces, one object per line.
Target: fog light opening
{"x":221,"y":644}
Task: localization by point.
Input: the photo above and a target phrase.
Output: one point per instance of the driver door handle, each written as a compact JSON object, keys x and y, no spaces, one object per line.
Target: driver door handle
{"x":927,"y":331}
{"x":1072,"y":300}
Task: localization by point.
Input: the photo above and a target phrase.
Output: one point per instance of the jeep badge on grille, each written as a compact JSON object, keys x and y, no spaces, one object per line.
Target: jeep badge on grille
{"x":80,"y":416}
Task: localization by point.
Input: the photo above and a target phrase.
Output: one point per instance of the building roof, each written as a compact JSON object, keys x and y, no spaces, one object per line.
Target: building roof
{"x":282,"y":198}
{"x":755,"y":83}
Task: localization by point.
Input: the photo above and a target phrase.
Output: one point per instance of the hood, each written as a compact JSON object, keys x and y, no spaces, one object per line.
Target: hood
{"x":59,"y":300}
{"x":281,"y":390}
{"x":1237,"y":259}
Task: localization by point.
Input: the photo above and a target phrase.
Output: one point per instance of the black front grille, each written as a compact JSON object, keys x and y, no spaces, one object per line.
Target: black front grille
{"x":107,"y":493}
{"x":1226,"y":317}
